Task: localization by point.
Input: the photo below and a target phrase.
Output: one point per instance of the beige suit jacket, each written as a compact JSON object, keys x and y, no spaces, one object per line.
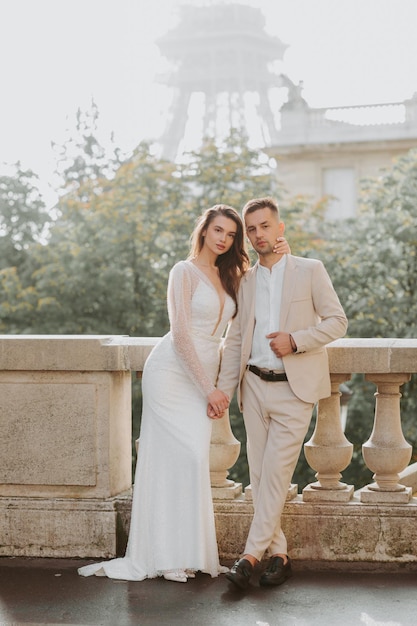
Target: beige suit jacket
{"x":310,"y":311}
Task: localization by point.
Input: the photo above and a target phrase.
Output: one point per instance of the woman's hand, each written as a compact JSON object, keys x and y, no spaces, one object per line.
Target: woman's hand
{"x":282,"y":246}
{"x":218,"y":402}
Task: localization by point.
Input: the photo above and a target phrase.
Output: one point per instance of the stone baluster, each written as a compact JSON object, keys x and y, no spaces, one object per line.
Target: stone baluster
{"x":387,"y":453}
{"x":224,"y":452}
{"x":328,"y":451}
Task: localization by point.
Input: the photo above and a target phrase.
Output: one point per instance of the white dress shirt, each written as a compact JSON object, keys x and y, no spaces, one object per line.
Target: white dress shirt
{"x":267,"y":313}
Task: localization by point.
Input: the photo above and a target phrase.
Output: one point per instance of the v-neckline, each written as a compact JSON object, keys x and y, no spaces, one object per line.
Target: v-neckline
{"x":221,"y":297}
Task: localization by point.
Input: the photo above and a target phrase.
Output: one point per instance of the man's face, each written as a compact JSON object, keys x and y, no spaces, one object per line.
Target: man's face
{"x":263,"y":228}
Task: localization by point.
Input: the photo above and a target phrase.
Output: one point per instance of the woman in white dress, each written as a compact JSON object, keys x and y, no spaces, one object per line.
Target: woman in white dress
{"x":172,"y":531}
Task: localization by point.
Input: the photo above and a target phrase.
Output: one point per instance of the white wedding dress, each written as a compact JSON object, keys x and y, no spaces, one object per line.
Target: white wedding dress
{"x":172,"y":522}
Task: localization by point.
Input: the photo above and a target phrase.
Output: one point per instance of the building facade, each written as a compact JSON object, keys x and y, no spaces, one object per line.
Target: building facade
{"x":326,"y":152}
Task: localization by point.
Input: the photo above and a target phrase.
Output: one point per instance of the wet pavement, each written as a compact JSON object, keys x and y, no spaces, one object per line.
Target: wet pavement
{"x":35,"y":592}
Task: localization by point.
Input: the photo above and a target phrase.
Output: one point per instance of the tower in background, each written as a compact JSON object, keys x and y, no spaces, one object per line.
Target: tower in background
{"x":223,"y":66}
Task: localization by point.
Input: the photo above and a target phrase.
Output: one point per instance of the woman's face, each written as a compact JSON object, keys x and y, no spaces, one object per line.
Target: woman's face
{"x":220,"y":234}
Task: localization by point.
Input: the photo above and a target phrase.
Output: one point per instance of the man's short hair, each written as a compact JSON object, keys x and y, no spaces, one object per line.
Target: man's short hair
{"x":260,"y":203}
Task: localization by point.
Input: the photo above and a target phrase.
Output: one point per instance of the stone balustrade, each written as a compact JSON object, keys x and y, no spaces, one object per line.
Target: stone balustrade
{"x":301,"y":124}
{"x":65,"y":469}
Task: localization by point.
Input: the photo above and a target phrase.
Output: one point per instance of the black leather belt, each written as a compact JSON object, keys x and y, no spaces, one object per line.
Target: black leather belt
{"x":270,"y":376}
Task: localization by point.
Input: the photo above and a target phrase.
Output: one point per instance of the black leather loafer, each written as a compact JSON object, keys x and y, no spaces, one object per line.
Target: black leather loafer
{"x":240,"y":573}
{"x":276,"y":573}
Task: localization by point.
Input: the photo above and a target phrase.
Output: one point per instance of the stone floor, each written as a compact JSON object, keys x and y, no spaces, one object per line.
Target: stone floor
{"x":35,"y":592}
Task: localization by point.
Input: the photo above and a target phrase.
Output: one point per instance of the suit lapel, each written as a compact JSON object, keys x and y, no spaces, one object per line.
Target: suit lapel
{"x":248,"y":308}
{"x":290,"y":278}
{"x":249,"y":292}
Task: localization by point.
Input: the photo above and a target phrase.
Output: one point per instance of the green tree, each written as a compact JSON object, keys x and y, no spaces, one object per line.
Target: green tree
{"x":105,"y":267}
{"x":23,"y":216}
{"x":228,"y":173}
{"x":373,"y":257}
{"x":24,"y":222}
{"x":17,"y":303}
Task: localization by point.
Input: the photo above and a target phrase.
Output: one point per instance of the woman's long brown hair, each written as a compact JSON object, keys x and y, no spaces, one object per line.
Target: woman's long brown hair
{"x":233,"y":263}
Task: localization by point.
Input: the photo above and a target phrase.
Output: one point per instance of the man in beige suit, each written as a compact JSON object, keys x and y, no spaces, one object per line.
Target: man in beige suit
{"x":275,"y":355}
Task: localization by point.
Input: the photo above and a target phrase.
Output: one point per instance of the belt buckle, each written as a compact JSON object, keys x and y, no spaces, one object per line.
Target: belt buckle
{"x":267,"y":376}
{"x":273,"y":377}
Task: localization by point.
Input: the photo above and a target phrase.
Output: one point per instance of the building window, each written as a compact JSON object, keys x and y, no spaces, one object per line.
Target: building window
{"x":339,"y":183}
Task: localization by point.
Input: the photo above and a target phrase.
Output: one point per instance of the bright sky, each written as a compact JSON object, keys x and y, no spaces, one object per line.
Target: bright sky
{"x":55,"y":55}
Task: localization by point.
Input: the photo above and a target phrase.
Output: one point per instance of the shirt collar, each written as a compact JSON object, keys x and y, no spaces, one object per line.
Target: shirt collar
{"x":278,"y":266}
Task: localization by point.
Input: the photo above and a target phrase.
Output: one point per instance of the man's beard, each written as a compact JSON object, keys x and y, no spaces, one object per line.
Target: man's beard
{"x":263,"y":251}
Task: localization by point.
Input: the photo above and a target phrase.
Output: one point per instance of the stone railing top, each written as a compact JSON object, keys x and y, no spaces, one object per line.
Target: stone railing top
{"x":120,"y":352}
{"x":138,"y":349}
{"x":375,"y":122}
{"x":63,"y":353}
{"x":373,"y":356}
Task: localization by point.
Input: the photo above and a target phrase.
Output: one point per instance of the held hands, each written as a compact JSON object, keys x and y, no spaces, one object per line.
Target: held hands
{"x":280,"y":344}
{"x":282,"y":246}
{"x":218,"y":402}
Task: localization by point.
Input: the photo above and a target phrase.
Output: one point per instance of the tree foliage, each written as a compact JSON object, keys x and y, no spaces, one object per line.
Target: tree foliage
{"x":23,"y":216}
{"x":23,"y":225}
{"x":108,"y":255}
{"x":374,"y":259}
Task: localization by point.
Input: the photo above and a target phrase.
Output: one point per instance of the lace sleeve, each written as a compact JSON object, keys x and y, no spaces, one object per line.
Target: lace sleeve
{"x":180,"y":293}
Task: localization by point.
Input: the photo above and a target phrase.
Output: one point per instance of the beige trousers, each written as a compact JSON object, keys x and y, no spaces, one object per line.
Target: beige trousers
{"x":276,"y":423}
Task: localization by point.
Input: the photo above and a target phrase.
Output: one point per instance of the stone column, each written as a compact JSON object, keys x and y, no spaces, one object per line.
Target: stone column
{"x":328,"y":451}
{"x":386,"y":452}
{"x":65,"y":446}
{"x":224,"y":452}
